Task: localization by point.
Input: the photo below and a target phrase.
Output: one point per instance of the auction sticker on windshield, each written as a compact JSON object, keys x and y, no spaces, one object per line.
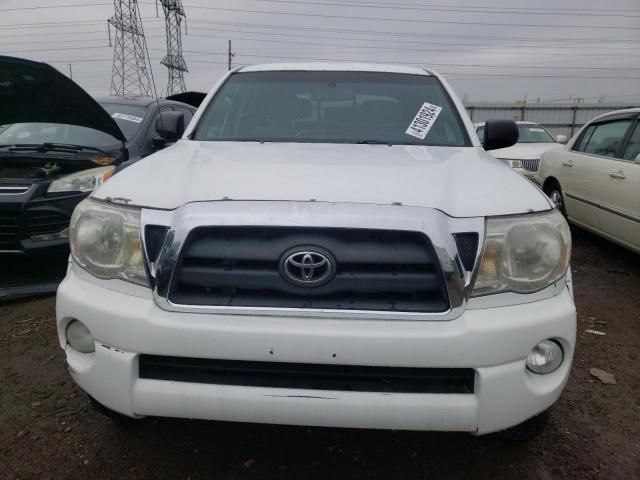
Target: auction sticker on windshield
{"x":423,"y":121}
{"x":130,"y":118}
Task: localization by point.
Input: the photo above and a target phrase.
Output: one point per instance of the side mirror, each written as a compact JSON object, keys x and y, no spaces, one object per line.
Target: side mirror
{"x":499,"y":134}
{"x":170,"y":127}
{"x":158,"y":143}
{"x":562,"y":139}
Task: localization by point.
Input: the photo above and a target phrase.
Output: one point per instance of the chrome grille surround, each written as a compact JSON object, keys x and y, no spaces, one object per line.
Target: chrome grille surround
{"x":437,"y":226}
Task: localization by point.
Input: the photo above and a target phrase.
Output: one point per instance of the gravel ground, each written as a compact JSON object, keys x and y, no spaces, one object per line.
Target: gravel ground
{"x":49,"y":429}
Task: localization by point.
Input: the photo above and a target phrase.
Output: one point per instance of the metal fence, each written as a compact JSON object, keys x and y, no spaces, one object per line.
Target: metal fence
{"x":558,"y":118}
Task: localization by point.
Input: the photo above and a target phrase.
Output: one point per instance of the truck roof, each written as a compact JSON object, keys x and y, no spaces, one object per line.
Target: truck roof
{"x":337,"y":66}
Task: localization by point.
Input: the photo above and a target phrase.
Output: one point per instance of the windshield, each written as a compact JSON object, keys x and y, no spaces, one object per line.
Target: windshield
{"x":128,"y":117}
{"x":330,"y":107}
{"x":39,"y":133}
{"x":534,"y":134}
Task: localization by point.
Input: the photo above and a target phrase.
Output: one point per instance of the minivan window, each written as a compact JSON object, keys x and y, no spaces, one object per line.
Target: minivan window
{"x":329,"y":107}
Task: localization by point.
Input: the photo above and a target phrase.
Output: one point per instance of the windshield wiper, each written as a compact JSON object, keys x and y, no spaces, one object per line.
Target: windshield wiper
{"x":51,"y":147}
{"x":373,"y":142}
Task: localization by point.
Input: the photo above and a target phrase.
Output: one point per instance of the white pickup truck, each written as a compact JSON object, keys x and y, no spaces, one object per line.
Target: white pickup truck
{"x":329,"y":245}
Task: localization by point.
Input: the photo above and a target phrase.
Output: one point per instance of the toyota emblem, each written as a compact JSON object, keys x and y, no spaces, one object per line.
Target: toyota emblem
{"x":307,"y":267}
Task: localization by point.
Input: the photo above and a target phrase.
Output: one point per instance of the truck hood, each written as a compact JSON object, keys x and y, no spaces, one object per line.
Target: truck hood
{"x":462,"y":182}
{"x":525,"y":151}
{"x":35,"y":92}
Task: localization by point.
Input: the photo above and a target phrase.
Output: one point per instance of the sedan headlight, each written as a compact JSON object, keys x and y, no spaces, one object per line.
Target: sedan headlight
{"x":524,"y":253}
{"x":84,"y":181}
{"x":105,"y":241}
{"x":513,"y":163}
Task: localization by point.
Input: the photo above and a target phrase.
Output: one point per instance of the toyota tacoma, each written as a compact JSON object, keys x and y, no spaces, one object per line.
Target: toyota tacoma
{"x":327,"y":245}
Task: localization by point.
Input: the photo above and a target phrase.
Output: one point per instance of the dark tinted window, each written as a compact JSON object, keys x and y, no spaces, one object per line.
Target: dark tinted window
{"x":607,"y":138}
{"x":330,"y":107}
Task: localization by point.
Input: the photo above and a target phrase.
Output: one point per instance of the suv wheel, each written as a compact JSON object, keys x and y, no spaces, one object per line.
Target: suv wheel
{"x":554,"y":192}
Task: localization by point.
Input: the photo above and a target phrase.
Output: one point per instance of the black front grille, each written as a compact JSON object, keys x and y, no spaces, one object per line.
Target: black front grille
{"x":308,"y":376}
{"x":40,"y":221}
{"x":9,"y":225}
{"x":154,"y":237}
{"x":14,"y":189}
{"x":467,"y":244}
{"x":378,"y":270}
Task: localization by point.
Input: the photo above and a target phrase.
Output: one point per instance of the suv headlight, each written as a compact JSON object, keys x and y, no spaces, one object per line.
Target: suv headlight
{"x":105,"y":241}
{"x":524,"y":253}
{"x":84,"y":181}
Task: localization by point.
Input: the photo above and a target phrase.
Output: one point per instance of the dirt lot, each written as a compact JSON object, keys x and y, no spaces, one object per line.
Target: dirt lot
{"x":50,"y":431}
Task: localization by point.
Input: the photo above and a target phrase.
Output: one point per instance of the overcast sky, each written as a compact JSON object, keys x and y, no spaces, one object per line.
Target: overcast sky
{"x":490,"y":50}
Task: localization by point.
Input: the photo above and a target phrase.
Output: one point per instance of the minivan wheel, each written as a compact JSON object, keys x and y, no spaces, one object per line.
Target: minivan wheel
{"x":118,"y":418}
{"x":554,"y":192}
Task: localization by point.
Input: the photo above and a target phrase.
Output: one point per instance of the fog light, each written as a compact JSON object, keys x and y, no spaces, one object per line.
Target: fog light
{"x":79,"y":337}
{"x":545,"y":357}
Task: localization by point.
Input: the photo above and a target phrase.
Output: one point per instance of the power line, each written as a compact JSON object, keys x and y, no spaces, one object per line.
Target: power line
{"x":40,"y":7}
{"x":581,"y":67}
{"x":493,"y":6}
{"x":67,"y":24}
{"x":63,"y":23}
{"x":333,"y":37}
{"x":419,"y":34}
{"x":500,"y":46}
{"x":460,"y":9}
{"x":427,"y":64}
{"x":488,"y":9}
{"x":407,"y":6}
{"x":412,"y":20}
{"x":477,"y":64}
{"x":407,"y":48}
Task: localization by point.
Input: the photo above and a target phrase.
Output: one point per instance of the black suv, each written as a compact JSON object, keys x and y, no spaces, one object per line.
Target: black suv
{"x":57,"y":144}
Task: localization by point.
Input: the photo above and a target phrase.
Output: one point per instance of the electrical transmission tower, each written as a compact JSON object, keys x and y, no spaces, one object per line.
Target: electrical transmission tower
{"x":174,"y":61}
{"x":129,"y":75}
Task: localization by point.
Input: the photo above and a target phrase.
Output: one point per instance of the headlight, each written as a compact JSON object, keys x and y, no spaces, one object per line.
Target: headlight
{"x":105,"y":241}
{"x":512,"y":162}
{"x":84,"y":181}
{"x":524,"y":253}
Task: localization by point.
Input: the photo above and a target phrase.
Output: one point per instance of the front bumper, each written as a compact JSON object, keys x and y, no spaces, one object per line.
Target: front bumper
{"x":492,"y":341}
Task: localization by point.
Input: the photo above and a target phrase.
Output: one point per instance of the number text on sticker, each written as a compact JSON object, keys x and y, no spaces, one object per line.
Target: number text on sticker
{"x":423,"y":121}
